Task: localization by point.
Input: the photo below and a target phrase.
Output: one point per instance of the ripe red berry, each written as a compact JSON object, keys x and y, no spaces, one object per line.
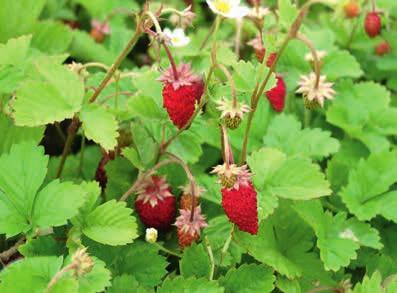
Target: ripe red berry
{"x":276,"y":95}
{"x":240,"y":206}
{"x":155,"y":204}
{"x":382,"y":48}
{"x":372,"y":24}
{"x":352,"y":9}
{"x":180,"y":103}
{"x":181,"y":92}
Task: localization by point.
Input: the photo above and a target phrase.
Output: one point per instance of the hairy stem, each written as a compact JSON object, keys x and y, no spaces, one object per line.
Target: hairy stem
{"x":211,"y":257}
{"x":317,"y":62}
{"x":7,"y":254}
{"x":230,"y":80}
{"x":225,"y":247}
{"x":58,"y":276}
{"x":166,"y":250}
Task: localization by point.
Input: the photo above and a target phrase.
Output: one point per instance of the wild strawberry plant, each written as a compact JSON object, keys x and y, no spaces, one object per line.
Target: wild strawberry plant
{"x":198,"y":146}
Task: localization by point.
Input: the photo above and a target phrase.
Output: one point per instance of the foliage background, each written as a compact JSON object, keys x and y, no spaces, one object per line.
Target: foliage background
{"x":326,"y":183}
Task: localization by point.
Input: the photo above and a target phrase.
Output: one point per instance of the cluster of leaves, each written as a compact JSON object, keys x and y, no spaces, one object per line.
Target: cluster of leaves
{"x":327,"y":197}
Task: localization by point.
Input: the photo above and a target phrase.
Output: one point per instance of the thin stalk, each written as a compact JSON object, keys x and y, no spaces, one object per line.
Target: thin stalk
{"x":317,"y":62}
{"x":373,"y":5}
{"x":82,"y":151}
{"x":354,"y":29}
{"x":231,"y":82}
{"x":225,"y":247}
{"x":58,"y":276}
{"x":97,"y":65}
{"x":172,"y":61}
{"x":7,"y":254}
{"x":166,"y":250}
{"x":207,"y":37}
{"x":237,"y":41}
{"x":59,"y":131}
{"x":211,"y":257}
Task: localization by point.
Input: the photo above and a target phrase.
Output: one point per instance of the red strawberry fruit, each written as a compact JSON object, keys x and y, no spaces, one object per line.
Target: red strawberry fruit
{"x":352,"y":9}
{"x":372,"y":24}
{"x":188,"y":227}
{"x":181,"y":92}
{"x":240,"y":206}
{"x":382,"y":48}
{"x":155,"y":204}
{"x":276,"y":95}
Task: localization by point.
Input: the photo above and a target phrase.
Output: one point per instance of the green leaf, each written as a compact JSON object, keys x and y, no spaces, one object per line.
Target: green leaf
{"x":111,"y":223}
{"x":53,"y":94}
{"x":338,"y":238}
{"x":46,"y":212}
{"x":191,"y":285}
{"x":126,"y":284}
{"x":51,"y":37}
{"x":249,"y":278}
{"x":283,"y":242}
{"x":145,"y":145}
{"x":195,"y":262}
{"x":367,"y":194}
{"x":362,"y":111}
{"x":187,"y":146}
{"x":29,"y":274}
{"x":99,"y":125}
{"x":145,"y":108}
{"x":287,"y":12}
{"x":41,"y":246}
{"x":15,"y":51}
{"x":12,"y":134}
{"x":293,"y":178}
{"x":18,"y":17}
{"x":143,"y":262}
{"x":96,"y":280}
{"x":245,"y":76}
{"x":286,"y":134}
{"x":339,"y":64}
{"x":22,"y":171}
{"x":370,"y":284}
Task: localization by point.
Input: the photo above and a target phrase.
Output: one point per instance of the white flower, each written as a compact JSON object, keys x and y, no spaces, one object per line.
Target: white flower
{"x":320,"y":54}
{"x":258,"y":12}
{"x":176,"y":37}
{"x":313,"y":94}
{"x":151,"y":235}
{"x":228,"y":8}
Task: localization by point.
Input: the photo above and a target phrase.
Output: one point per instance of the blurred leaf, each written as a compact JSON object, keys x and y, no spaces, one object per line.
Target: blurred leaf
{"x":195,"y":262}
{"x":191,"y":285}
{"x":51,"y":37}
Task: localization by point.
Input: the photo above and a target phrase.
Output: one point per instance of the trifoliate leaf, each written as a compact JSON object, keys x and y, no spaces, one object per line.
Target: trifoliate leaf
{"x":99,"y":125}
{"x":362,"y":111}
{"x":367,"y":194}
{"x":339,"y":64}
{"x":294,"y":178}
{"x":126,"y":284}
{"x":12,"y":134}
{"x":53,"y":93}
{"x":195,"y":262}
{"x":285,"y":133}
{"x":249,"y":278}
{"x":191,"y":285}
{"x":111,"y":223}
{"x":338,"y":238}
{"x":29,"y":274}
{"x":283,"y":242}
{"x":143,"y":262}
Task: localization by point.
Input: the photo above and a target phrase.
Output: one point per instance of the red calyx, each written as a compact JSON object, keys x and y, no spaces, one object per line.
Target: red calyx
{"x":240,"y":206}
{"x":276,"y":95}
{"x":160,"y":216}
{"x":382,"y":48}
{"x":180,"y":103}
{"x":100,"y":174}
{"x":372,"y":24}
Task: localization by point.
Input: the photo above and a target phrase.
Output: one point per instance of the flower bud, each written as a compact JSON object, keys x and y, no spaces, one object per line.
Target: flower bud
{"x":151,"y":235}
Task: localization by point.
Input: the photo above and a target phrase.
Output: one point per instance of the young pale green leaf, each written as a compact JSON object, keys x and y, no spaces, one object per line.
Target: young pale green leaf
{"x":293,"y":178}
{"x":46,"y":211}
{"x":249,"y":278}
{"x":145,"y":108}
{"x":338,"y":238}
{"x":52,"y":94}
{"x":367,"y":194}
{"x":371,"y":284}
{"x":339,"y":64}
{"x":143,"y":262}
{"x":18,"y":17}
{"x":29,"y":274}
{"x":99,"y":125}
{"x":191,"y":285}
{"x":12,"y":134}
{"x":195,"y":262}
{"x":288,"y":12}
{"x":111,"y":223}
{"x":15,"y":51}
{"x":286,"y":134}
{"x":22,"y":171}
{"x":126,"y":284}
